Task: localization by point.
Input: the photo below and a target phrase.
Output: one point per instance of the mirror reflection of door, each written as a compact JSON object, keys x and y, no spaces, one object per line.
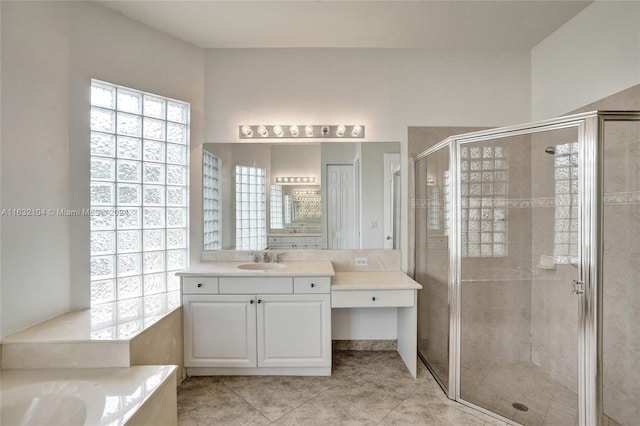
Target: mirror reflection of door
{"x":391,"y":164}
{"x":396,"y":209}
{"x":357,"y":188}
{"x":341,"y":230}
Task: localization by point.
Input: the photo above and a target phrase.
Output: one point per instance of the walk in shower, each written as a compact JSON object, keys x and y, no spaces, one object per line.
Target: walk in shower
{"x":527,"y":244}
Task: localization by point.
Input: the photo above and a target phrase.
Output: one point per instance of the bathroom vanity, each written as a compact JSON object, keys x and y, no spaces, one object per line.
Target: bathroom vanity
{"x":383,"y":289}
{"x":257,"y":318}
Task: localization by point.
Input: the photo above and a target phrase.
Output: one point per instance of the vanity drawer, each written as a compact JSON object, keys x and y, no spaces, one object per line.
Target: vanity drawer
{"x":372,"y":298}
{"x":311,"y":284}
{"x":199,"y":285}
{"x":256,"y":285}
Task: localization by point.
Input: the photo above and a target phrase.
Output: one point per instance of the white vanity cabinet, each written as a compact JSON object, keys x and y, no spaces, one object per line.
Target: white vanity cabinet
{"x":219,"y":330}
{"x":257,"y":325}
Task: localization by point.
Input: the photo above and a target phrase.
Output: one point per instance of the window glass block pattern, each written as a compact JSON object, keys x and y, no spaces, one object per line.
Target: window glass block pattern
{"x":251,"y":226}
{"x":139,"y":187}
{"x":446,"y":194}
{"x":483,"y":190}
{"x":275,"y":207}
{"x":211,"y":167}
{"x":565,"y":240}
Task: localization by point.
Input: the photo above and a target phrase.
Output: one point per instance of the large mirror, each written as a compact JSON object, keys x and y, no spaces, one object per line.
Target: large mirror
{"x":288,"y":196}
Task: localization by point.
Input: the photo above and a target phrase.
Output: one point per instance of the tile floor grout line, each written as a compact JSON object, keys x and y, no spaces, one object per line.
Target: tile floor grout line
{"x":245,"y":400}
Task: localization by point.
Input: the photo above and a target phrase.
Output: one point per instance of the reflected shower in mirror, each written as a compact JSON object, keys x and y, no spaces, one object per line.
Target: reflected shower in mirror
{"x":287,"y":196}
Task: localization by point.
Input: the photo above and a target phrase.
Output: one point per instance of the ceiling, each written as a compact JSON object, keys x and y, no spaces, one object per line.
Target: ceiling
{"x":453,"y":24}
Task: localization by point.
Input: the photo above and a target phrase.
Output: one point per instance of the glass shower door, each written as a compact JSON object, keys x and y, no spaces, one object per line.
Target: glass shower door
{"x":519,"y":318}
{"x":432,"y":261}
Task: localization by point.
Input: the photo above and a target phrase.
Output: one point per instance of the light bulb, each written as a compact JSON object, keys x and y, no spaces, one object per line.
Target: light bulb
{"x":340,"y":131}
{"x":355,"y":132}
{"x":325,"y":130}
{"x":308,"y":130}
{"x":246,"y":130}
{"x":262,"y":131}
{"x":278,"y":131}
{"x":294,"y":130}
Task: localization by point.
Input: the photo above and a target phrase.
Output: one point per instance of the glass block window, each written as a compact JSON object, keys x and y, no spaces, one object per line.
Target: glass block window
{"x":275,"y":207}
{"x":484,"y":176}
{"x":433,"y":207}
{"x":565,"y":244}
{"x":211,"y":167}
{"x":446,"y":193}
{"x":138,"y":192}
{"x":288,"y":208}
{"x":251,"y":226}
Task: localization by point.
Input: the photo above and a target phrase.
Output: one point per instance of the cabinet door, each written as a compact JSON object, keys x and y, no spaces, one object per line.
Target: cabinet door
{"x":294,"y":330}
{"x":219,"y":331}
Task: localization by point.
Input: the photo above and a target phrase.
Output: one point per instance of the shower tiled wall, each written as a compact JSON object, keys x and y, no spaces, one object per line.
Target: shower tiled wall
{"x":621,"y":272}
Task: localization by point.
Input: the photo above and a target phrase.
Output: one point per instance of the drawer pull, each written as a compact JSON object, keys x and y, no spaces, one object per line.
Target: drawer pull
{"x":259,"y":301}
{"x":313,"y":285}
{"x":199,"y":285}
{"x":373,"y":298}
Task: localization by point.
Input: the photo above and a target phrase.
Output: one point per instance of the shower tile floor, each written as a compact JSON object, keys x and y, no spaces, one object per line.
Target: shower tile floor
{"x":496,"y":387}
{"x":365,"y":388}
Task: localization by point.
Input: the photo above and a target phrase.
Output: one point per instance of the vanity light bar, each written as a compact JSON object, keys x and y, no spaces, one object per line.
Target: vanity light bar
{"x":281,"y":131}
{"x":295,"y":179}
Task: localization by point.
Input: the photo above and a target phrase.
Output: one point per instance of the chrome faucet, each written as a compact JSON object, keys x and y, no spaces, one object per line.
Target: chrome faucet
{"x":277,"y":258}
{"x":256,"y":259}
{"x":265,"y":257}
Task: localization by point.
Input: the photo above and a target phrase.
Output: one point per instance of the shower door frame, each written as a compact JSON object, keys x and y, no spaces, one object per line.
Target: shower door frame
{"x":589,"y":243}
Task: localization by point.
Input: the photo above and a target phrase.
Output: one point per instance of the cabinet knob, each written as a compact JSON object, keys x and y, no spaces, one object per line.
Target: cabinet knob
{"x":373,"y":298}
{"x":259,"y":301}
{"x":251,"y":301}
{"x":199,"y":285}
{"x":313,"y":285}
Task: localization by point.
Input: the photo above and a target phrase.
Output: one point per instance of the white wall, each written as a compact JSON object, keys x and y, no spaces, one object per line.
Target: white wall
{"x":35,"y":172}
{"x":594,"y":55}
{"x":50,"y":52}
{"x":386,"y":89}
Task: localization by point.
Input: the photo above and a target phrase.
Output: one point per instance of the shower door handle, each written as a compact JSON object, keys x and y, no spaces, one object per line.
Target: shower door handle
{"x":578,"y":287}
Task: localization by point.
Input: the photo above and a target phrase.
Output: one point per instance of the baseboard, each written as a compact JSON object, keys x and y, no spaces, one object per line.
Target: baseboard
{"x":365,"y":345}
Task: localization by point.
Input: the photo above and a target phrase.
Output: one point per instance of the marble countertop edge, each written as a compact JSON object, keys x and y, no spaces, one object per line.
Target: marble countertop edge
{"x":370,"y":280}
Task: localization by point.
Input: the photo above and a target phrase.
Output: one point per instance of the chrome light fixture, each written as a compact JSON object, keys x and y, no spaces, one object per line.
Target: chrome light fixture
{"x":262,"y":131}
{"x":295,"y":179}
{"x":246,"y":131}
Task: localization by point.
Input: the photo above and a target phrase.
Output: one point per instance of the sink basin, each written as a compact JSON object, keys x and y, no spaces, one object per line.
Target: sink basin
{"x":261,"y":266}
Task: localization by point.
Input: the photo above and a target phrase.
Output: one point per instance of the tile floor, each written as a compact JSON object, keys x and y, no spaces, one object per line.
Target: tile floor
{"x":497,"y":386}
{"x":365,"y":388}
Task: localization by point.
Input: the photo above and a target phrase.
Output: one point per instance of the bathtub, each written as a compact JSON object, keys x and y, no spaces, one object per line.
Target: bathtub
{"x":106,"y":396}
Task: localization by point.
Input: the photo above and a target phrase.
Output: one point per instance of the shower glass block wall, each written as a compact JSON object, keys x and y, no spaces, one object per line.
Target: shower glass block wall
{"x":529,"y":255}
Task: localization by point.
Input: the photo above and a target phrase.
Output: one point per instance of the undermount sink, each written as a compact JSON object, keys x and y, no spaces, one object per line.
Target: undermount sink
{"x":261,"y":266}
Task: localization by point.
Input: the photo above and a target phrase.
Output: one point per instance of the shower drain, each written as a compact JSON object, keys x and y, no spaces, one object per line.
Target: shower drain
{"x":520,"y":407}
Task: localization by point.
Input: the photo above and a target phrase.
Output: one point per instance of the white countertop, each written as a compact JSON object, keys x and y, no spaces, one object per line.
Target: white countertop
{"x":289,"y":269}
{"x":386,"y":280}
{"x":110,"y":396}
{"x":118,"y":321}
